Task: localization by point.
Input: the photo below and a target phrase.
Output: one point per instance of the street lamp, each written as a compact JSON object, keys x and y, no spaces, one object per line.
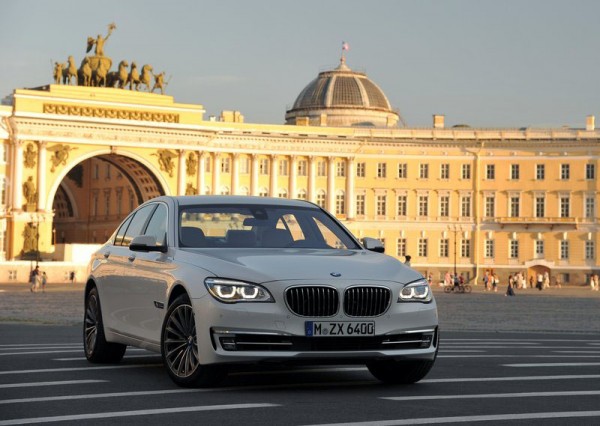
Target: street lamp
{"x":455,"y":229}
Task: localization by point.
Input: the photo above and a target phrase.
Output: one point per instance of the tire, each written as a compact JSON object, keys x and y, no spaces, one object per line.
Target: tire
{"x":97,"y":349}
{"x":402,"y":372}
{"x":468,"y":288}
{"x":447,"y":289}
{"x":179,"y":348}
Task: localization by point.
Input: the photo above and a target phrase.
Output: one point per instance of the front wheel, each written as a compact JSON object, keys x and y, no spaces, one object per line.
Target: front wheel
{"x":97,"y":349}
{"x":179,"y":347}
{"x":447,"y":289}
{"x":467,"y":288}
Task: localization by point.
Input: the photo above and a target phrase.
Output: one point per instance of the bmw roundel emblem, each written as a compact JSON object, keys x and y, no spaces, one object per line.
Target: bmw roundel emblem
{"x":335,"y":274}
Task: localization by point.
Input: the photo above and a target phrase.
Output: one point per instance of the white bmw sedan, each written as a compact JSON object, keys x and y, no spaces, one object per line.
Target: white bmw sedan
{"x":212,"y":281}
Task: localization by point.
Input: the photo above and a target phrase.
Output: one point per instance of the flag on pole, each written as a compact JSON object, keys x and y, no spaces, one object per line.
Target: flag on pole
{"x":345,"y":46}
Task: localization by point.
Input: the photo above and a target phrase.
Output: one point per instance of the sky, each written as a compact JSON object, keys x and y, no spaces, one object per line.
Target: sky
{"x":485,"y":63}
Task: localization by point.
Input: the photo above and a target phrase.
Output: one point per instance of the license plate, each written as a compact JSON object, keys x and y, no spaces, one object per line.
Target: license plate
{"x":342,"y":329}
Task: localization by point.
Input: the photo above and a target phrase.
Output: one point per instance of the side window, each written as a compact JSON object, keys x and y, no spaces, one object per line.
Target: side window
{"x":137,"y":224}
{"x":121,"y":232}
{"x":157,"y":227}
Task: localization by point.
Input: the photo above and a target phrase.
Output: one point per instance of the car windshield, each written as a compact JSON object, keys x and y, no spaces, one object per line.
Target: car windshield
{"x":260,"y":226}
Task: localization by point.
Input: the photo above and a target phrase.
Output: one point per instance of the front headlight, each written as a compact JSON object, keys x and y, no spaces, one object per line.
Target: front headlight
{"x":232,"y":291}
{"x":417,"y":291}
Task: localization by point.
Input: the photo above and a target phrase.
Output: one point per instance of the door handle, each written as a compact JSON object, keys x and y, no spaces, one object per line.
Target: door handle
{"x":106,"y":254}
{"x":131,"y":258}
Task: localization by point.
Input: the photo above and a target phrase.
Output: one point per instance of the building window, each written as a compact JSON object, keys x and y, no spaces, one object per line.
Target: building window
{"x":540,"y":206}
{"x":590,"y":250}
{"x":381,"y":205}
{"x":340,"y":202}
{"x":225,"y":165}
{"x":540,"y":171}
{"x":3,"y":192}
{"x":340,"y":169}
{"x":564,"y":249}
{"x":401,"y":205}
{"x":514,"y":171}
{"x":423,"y":247}
{"x":361,"y":169}
{"x":514,"y":206}
{"x":565,"y":202}
{"x":489,"y":249}
{"x":490,"y":206}
{"x":465,"y":206}
{"x":423,"y":205}
{"x":490,"y":172}
{"x":539,"y":249}
{"x":283,"y":167}
{"x":263,"y":166}
{"x":514,"y":249}
{"x":466,"y":171}
{"x":565,"y":171}
{"x":302,"y":168}
{"x":321,"y":198}
{"x":445,"y":171}
{"x":225,"y":191}
{"x":465,"y":248}
{"x":360,"y":204}
{"x":590,"y":207}
{"x":263,"y":192}
{"x":590,"y":171}
{"x":96,"y":171}
{"x":423,"y":171}
{"x":381,"y":170}
{"x":321,"y":168}
{"x":301,"y":195}
{"x":282,"y":193}
{"x":401,"y":247}
{"x":108,"y":170}
{"x":244,"y":165}
{"x":444,"y":205}
{"x":444,"y":247}
{"x":402,"y":171}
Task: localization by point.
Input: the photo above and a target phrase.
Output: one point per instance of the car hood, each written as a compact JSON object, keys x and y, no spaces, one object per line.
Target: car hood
{"x":263,"y":265}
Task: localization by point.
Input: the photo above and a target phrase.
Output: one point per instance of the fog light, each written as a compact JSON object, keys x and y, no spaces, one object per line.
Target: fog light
{"x":426,"y":339}
{"x":228,"y":343}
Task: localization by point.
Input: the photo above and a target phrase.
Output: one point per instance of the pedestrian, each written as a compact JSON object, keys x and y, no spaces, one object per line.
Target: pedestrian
{"x":44,"y":281}
{"x":592,"y":283}
{"x":495,"y":282}
{"x":546,"y":280}
{"x":72,"y":277}
{"x":558,"y":281}
{"x":596,"y":281}
{"x":510,"y":289}
{"x":33,"y":279}
{"x":407,"y":260}
{"x":447,"y":278}
{"x":531,"y":281}
{"x":430,"y":279}
{"x":486,"y":280}
{"x":540,"y":282}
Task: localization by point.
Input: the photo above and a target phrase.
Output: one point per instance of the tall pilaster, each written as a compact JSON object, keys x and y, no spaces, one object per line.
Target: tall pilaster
{"x":216,"y":173}
{"x":331,"y":184}
{"x":350,"y":197}
{"x":201,"y":172}
{"x":235,"y":174}
{"x":17,"y":172}
{"x":254,"y":175}
{"x":293,"y":175}
{"x":273,"y":177}
{"x":41,"y":176}
{"x":312,"y":172}
{"x":181,"y":173}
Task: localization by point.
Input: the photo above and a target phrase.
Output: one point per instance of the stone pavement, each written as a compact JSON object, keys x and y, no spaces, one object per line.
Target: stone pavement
{"x":568,"y":309}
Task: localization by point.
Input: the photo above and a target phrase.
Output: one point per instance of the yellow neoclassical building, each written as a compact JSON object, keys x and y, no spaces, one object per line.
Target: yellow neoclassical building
{"x":74,"y":160}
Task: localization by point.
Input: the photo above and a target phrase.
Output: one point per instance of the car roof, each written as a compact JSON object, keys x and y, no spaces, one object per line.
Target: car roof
{"x":189,"y":200}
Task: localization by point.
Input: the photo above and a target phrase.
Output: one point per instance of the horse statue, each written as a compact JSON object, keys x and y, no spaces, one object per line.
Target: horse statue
{"x":58,"y":72}
{"x":85,"y":73}
{"x":146,"y":77}
{"x":133,"y":79}
{"x":70,"y":71}
{"x":159,"y":83}
{"x":118,"y":77}
{"x":101,"y":73}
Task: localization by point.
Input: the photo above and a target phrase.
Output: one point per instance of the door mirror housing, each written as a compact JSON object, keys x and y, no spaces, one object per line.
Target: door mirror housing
{"x":373,"y":244}
{"x":146,"y":243}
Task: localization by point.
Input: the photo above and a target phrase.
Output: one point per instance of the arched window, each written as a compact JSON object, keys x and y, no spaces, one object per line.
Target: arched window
{"x":224,"y":190}
{"x":301,"y":195}
{"x":244,"y":190}
{"x":340,"y":202}
{"x":321,"y":196}
{"x":282,"y":193}
{"x":263,"y":192}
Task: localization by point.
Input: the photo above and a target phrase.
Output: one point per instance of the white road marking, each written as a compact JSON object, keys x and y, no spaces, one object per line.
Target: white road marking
{"x":510,"y":379}
{"x":510,"y":347}
{"x":31,"y":345}
{"x":29,"y":348}
{"x":42,"y":352}
{"x":466,"y":419}
{"x":36,"y":384}
{"x":63,"y":370}
{"x":133,"y":413}
{"x":555,"y":364}
{"x":521,"y":340}
{"x":521,"y":356}
{"x":577,"y":352}
{"x":492,"y":395}
{"x":82,"y":358}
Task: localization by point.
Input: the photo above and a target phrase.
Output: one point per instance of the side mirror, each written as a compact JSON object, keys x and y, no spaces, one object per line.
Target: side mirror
{"x":373,"y":244}
{"x":146,"y":243}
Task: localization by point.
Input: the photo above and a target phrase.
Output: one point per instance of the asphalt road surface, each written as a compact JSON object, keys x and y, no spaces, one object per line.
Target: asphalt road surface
{"x":501,"y":361}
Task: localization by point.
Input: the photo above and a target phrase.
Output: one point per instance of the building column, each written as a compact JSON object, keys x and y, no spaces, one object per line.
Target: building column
{"x":181,"y":173}
{"x":17,"y":172}
{"x":41,"y":176}
{"x":254,"y":175}
{"x":312,"y":172}
{"x":216,"y":173}
{"x":201,"y":172}
{"x":331,"y":184}
{"x":293,"y":174}
{"x":350,"y":198}
{"x":273,"y":177}
{"x":235,"y":173}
